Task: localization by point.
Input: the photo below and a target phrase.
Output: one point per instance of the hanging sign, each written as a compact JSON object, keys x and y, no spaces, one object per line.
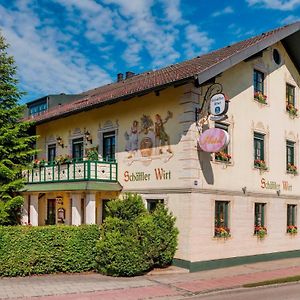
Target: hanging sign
{"x":213,"y":140}
{"x":218,"y":105}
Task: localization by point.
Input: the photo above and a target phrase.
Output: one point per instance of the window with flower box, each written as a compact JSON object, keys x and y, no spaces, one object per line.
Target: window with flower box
{"x":221,"y":219}
{"x":291,"y":218}
{"x":258,"y":84}
{"x":290,"y":100}
{"x":259,"y":220}
{"x":290,"y":157}
{"x":259,"y":151}
{"x":77,"y":148}
{"x":223,"y":155}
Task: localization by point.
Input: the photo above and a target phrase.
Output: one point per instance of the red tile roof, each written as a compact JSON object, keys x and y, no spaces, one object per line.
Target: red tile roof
{"x":169,"y":75}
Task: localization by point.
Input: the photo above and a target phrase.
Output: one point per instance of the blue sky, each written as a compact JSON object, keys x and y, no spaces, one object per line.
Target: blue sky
{"x":73,"y":45}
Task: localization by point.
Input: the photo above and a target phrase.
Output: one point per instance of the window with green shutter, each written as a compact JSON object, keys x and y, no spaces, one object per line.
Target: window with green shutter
{"x":290,"y":94}
{"x":259,"y":150}
{"x":258,"y":81}
{"x":290,"y":155}
{"x":259,"y":215}
{"x":221,"y":219}
{"x":291,"y":214}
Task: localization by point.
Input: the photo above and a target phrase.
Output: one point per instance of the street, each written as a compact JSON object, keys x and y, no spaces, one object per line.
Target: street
{"x":280,"y":292}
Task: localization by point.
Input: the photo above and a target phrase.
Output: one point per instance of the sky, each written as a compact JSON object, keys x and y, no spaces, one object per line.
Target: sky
{"x":70,"y":46}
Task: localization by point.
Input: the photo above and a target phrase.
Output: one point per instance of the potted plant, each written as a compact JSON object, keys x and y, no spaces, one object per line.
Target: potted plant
{"x":260,"y":231}
{"x":63,"y":159}
{"x":222,"y":232}
{"x":260,"y":97}
{"x":92,"y":154}
{"x":291,"y":168}
{"x":292,"y":229}
{"x":292,"y":110}
{"x":222,"y":156}
{"x":260,"y":164}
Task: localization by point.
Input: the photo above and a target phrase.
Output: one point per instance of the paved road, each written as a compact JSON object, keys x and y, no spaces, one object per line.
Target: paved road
{"x":279,"y":292}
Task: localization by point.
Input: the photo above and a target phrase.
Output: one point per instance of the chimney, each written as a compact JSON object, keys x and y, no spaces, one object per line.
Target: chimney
{"x":120,"y":77}
{"x":129,"y":74}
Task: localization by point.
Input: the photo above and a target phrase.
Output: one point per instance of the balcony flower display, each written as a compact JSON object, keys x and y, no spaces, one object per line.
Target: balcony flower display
{"x":63,"y":159}
{"x":292,"y":110}
{"x":292,"y":229}
{"x":222,"y":232}
{"x":92,"y":154}
{"x":260,"y":97}
{"x":260,"y":231}
{"x":260,"y":164}
{"x":292,"y":169}
{"x":38,"y":163}
{"x":222,"y":156}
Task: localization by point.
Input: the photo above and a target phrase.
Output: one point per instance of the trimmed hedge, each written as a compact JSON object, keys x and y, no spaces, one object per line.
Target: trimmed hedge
{"x":26,"y":250}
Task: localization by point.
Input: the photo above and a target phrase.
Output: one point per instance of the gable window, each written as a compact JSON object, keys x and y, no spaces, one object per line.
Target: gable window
{"x":259,"y":150}
{"x":258,"y":81}
{"x":152,"y":204}
{"x":51,"y":152}
{"x":221,"y":219}
{"x":77,"y":149}
{"x":291,"y":219}
{"x":259,"y":219}
{"x":223,"y":155}
{"x":37,"y":108}
{"x":290,"y":157}
{"x":109,"y":145}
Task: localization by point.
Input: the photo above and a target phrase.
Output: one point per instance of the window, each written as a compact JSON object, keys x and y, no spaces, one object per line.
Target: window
{"x":291,"y":215}
{"x":259,"y":150}
{"x":152,"y":203}
{"x":290,"y":155}
{"x":77,"y":148}
{"x":290,"y":95}
{"x":109,"y":144}
{"x":37,"y":108}
{"x":224,"y":154}
{"x":221,"y":219}
{"x":259,"y":218}
{"x":258,"y":81}
{"x":51,"y":152}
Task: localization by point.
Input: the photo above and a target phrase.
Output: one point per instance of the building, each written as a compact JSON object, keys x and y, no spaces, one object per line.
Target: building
{"x":146,"y":130}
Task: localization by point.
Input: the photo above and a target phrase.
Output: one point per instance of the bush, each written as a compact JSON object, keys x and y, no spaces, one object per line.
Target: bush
{"x":133,"y":241}
{"x":26,"y":250}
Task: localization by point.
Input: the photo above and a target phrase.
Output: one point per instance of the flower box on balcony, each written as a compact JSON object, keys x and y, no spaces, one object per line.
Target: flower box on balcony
{"x":222,"y":232}
{"x":260,"y":97}
{"x":222,"y":157}
{"x":260,"y":231}
{"x":292,"y":169}
{"x":260,"y":164}
{"x":292,"y":229}
{"x":292,"y":110}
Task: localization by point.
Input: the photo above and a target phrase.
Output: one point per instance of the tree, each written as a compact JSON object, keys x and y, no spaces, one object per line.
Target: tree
{"x":16,"y":144}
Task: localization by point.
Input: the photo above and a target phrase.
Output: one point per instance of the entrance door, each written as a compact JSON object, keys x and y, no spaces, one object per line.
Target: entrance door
{"x":51,"y":212}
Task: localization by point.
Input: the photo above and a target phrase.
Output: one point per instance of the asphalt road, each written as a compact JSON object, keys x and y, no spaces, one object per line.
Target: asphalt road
{"x":279,"y":292}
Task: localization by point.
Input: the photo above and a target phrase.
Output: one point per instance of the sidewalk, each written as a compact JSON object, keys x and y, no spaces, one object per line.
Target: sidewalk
{"x":156,"y":285}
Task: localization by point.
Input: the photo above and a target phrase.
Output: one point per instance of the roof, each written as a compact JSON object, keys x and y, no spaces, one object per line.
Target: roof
{"x":201,"y":68}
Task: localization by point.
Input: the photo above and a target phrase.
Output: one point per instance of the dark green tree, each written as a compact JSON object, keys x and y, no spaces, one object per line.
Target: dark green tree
{"x":15,"y":143}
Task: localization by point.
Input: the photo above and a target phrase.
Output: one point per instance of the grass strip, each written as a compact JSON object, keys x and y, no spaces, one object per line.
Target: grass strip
{"x":273,"y":281}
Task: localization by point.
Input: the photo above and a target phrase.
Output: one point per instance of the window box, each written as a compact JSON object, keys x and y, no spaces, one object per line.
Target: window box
{"x":260,"y":231}
{"x":222,"y":157}
{"x":292,"y":229}
{"x":260,"y":97}
{"x":222,"y":232}
{"x":292,"y":169}
{"x":260,"y":164}
{"x":292,"y":110}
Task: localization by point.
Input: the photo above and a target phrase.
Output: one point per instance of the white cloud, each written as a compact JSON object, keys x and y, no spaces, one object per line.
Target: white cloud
{"x":227,"y":10}
{"x":197,"y":42}
{"x":289,"y":19}
{"x":284,"y":5}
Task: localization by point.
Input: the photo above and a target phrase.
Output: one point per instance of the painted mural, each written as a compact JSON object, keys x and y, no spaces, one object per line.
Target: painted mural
{"x":148,"y":139}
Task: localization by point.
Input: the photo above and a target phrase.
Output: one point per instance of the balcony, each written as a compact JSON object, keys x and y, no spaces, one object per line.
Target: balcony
{"x":73,"y":171}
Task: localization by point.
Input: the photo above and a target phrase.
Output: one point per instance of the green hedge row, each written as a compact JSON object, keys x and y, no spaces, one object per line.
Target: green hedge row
{"x":26,"y":250}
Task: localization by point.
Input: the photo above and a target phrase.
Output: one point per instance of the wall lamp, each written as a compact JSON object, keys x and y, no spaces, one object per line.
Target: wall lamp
{"x":244,"y":189}
{"x":60,"y":141}
{"x":88,"y":137}
{"x":278,"y":192}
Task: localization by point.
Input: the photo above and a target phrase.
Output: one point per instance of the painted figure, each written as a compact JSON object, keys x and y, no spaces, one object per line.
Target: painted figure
{"x":162,"y":138}
{"x":132,"y":139}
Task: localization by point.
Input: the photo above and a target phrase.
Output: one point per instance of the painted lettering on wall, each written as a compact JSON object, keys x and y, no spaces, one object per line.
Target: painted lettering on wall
{"x":158,"y":174}
{"x":273,"y":185}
